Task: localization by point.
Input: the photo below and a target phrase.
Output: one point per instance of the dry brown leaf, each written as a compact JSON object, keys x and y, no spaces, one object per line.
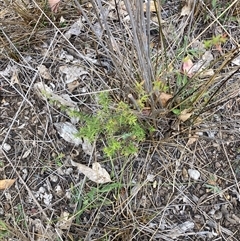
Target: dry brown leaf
{"x":75,"y":29}
{"x":96,"y":173}
{"x":212,"y":180}
{"x":65,"y":221}
{"x":73,"y":85}
{"x":185,"y":10}
{"x":72,"y":73}
{"x":192,"y":139}
{"x":185,"y":115}
{"x":207,"y":58}
{"x":164,"y":98}
{"x":201,"y":66}
{"x":184,"y":173}
{"x":14,"y":78}
{"x":45,"y":92}
{"x":44,"y":72}
{"x":6,"y":183}
{"x":87,"y":146}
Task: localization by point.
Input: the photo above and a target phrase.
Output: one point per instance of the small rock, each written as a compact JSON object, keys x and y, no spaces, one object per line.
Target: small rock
{"x":150,"y":177}
{"x":59,"y":190}
{"x":53,"y":178}
{"x":69,"y":171}
{"x":6,"y":147}
{"x":1,"y":211}
{"x":25,"y":174}
{"x":194,"y":174}
{"x":218,"y":215}
{"x":47,"y":198}
{"x":218,"y":165}
{"x":68,"y":194}
{"x":41,"y":190}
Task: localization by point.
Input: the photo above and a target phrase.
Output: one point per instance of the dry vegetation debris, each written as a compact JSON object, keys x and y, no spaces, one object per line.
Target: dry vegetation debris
{"x":173,"y":71}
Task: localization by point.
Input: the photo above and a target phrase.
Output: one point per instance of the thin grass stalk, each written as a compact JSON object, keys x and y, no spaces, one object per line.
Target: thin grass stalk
{"x":229,"y":58}
{"x":140,"y":41}
{"x":113,"y":53}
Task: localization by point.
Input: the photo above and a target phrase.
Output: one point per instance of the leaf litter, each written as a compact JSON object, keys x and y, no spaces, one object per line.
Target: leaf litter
{"x":177,"y":213}
{"x":68,"y":132}
{"x":6,"y":183}
{"x":96,"y":174}
{"x":201,"y":67}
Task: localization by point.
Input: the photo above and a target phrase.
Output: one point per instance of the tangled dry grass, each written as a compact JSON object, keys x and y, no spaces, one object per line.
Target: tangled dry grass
{"x":183,"y":183}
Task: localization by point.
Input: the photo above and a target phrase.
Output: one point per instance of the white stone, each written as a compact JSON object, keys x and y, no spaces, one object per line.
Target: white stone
{"x":6,"y":147}
{"x":150,"y":177}
{"x":194,"y":174}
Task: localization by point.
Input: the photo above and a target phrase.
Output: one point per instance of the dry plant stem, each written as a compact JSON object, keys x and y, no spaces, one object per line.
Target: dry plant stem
{"x":206,"y":105}
{"x":229,"y":58}
{"x":111,"y":55}
{"x":19,"y":109}
{"x":204,"y":88}
{"x":227,"y":98}
{"x":14,"y":47}
{"x":86,"y":59}
{"x":209,"y":26}
{"x":127,"y":217}
{"x":161,"y":43}
{"x":25,"y":99}
{"x":216,"y":20}
{"x":140,"y":37}
{"x":16,"y":233}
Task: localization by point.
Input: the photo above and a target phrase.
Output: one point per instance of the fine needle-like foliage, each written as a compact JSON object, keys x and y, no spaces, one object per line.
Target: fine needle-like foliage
{"x":116,"y":123}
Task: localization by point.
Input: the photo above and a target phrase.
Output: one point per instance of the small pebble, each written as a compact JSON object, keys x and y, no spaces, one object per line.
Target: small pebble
{"x":218,"y":215}
{"x":194,"y":174}
{"x":59,"y":190}
{"x":6,"y":147}
{"x":53,"y":178}
{"x":42,"y":190}
{"x":150,"y":177}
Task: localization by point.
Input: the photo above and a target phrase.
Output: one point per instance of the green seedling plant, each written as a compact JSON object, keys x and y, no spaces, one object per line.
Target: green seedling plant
{"x":143,"y":97}
{"x":118,"y":123}
{"x":4,"y":231}
{"x":185,"y":94}
{"x":95,"y":197}
{"x":58,"y":159}
{"x":160,"y":86}
{"x":20,"y":219}
{"x":215,"y":41}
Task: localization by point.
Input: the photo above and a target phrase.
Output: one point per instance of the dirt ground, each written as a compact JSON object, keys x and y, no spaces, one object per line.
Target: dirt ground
{"x":182,"y":184}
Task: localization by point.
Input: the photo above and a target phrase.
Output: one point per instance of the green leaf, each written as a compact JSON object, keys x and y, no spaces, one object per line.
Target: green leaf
{"x":176,"y":111}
